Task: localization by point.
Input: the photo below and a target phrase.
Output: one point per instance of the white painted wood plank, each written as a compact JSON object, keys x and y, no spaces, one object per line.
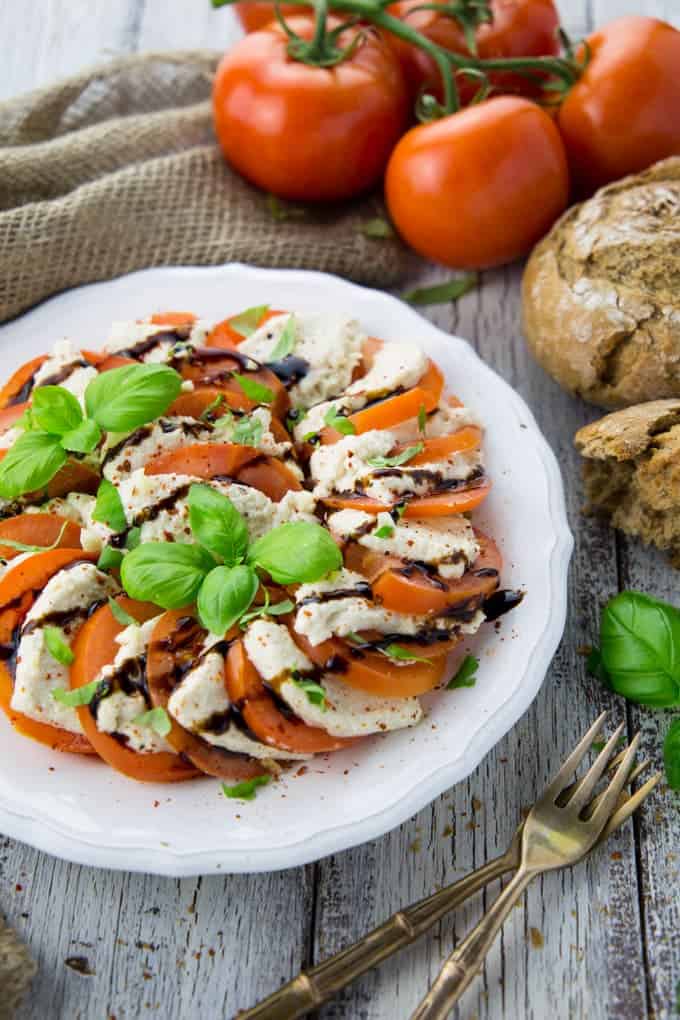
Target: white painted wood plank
{"x":53,"y":38}
{"x":190,"y":24}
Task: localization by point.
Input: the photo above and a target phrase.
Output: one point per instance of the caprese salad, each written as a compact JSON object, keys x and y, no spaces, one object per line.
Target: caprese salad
{"x":230,"y":546}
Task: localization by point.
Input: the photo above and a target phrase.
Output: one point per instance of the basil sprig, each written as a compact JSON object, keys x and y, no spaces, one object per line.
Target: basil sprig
{"x":120,"y":400}
{"x":219,"y":574}
{"x":639,"y":655}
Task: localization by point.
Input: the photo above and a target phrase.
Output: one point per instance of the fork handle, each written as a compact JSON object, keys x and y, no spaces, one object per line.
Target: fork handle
{"x":315,"y":986}
{"x":467,"y":959}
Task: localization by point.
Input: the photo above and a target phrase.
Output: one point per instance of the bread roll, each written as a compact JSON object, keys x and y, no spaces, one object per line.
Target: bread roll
{"x":601,"y":292}
{"x":632,"y":471}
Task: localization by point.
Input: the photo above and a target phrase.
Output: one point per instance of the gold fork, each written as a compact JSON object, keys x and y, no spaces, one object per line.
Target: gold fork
{"x":311,"y":988}
{"x":561,"y":828}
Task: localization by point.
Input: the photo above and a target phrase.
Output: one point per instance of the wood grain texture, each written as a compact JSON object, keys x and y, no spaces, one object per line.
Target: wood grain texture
{"x":599,"y":942}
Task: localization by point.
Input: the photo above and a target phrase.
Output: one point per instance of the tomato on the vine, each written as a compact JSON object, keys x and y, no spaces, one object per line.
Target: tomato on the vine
{"x":623,"y":114}
{"x":257,"y":14}
{"x":479,"y":187}
{"x":520,"y":28}
{"x":304,"y":132}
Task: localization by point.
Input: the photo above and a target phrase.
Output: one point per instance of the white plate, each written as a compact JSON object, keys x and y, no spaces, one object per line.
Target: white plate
{"x":85,"y":812}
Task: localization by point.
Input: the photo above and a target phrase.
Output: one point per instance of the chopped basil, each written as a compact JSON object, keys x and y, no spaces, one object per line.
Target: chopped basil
{"x":212,"y":407}
{"x":422,"y":419}
{"x":285,"y":345}
{"x":385,"y":527}
{"x":402,"y":654}
{"x":254,"y":390}
{"x":121,"y":616}
{"x":247,"y":322}
{"x":109,"y":507}
{"x":316,"y":695}
{"x":247,"y":789}
{"x":22,"y":547}
{"x":248,"y":431}
{"x":157,"y":719}
{"x":57,"y":645}
{"x":268,"y":609}
{"x":399,"y":458}
{"x":78,"y":696}
{"x":465,"y":676}
{"x":338,"y":421}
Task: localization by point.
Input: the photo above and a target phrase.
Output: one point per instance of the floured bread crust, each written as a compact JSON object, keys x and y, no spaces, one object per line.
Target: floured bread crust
{"x":632,"y":471}
{"x":601,"y":292}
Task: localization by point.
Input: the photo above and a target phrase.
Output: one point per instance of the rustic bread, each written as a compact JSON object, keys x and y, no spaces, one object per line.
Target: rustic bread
{"x":632,"y":471}
{"x":601,"y":292}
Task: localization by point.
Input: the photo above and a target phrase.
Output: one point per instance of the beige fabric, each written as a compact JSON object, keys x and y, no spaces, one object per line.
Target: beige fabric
{"x":117,"y":169}
{"x":16,"y":970}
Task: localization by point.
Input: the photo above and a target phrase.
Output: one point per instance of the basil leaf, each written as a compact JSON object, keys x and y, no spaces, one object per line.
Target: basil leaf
{"x":217,"y":524}
{"x":671,"y":755}
{"x":595,"y":668}
{"x":54,"y":409}
{"x":268,"y":609}
{"x":316,"y":695}
{"x":167,"y":573}
{"x":22,"y":547}
{"x":156,"y":719}
{"x":125,"y":398}
{"x":108,"y":508}
{"x":225,"y":595}
{"x":207,"y":414}
{"x":109,"y":558}
{"x":247,"y":322}
{"x":442,"y":293}
{"x":422,"y":419}
{"x":296,"y":553}
{"x":134,"y":537}
{"x":254,"y":390}
{"x":78,"y":696}
{"x":57,"y":645}
{"x":465,"y":676}
{"x":377,"y":228}
{"x":82,"y":439}
{"x":248,"y":432}
{"x":121,"y":616}
{"x":640,"y":646}
{"x":339,"y":422}
{"x":402,"y":654}
{"x":30,"y":464}
{"x":285,"y":345}
{"x":247,"y":789}
{"x":399,"y":458}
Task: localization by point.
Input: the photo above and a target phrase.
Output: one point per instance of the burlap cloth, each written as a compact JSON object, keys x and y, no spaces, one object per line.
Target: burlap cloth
{"x":16,"y":970}
{"x":117,"y":168}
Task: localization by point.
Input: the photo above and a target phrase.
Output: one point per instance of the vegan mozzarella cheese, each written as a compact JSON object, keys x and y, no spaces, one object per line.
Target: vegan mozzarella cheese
{"x":65,"y":601}
{"x":331,"y":346}
{"x":347,"y":712}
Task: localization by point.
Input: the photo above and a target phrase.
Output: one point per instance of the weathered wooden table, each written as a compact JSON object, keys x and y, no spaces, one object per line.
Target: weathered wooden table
{"x":602,"y":941}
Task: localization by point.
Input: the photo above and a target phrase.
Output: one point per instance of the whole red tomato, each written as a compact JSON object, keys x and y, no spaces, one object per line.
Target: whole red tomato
{"x":479,"y":187}
{"x":258,"y":14}
{"x":520,"y":28}
{"x":623,"y":114}
{"x":309,"y":133}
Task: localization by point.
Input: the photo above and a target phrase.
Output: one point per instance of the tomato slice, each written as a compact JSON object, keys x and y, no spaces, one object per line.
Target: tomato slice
{"x":219,"y":373}
{"x":204,"y":460}
{"x":457,"y":501}
{"x":21,"y":380}
{"x":95,"y":647}
{"x":38,"y":529}
{"x":373,"y":672}
{"x":385,"y":414}
{"x":194,"y":403}
{"x":415,"y":589}
{"x":270,"y":476}
{"x":441,"y":447}
{"x":10,"y":415}
{"x":224,"y":335}
{"x":175,"y":642}
{"x":173,"y":319}
{"x":74,"y":476}
{"x":263,"y":717}
{"x":18,"y":590}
